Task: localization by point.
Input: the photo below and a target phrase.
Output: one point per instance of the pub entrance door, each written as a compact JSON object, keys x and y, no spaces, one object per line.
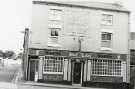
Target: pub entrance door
{"x":77,"y":73}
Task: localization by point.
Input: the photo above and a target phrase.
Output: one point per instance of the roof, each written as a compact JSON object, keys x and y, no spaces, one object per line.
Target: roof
{"x":87,"y":4}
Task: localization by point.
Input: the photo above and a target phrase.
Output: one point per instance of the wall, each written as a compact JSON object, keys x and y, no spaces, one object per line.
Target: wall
{"x":80,"y":20}
{"x":132,"y":44}
{"x":39,"y":32}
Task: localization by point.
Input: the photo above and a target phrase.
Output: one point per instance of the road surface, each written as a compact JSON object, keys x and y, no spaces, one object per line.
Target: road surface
{"x":8,"y":74}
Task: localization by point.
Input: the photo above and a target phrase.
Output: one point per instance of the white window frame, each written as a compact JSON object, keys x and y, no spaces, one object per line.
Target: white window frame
{"x":54,"y":37}
{"x":101,"y":69}
{"x":105,"y":19}
{"x":44,"y":72}
{"x":53,"y":41}
{"x":109,"y":41}
{"x":55,"y":29}
{"x":55,"y":14}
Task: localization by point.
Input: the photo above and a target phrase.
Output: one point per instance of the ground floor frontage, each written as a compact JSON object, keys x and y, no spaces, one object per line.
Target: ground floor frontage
{"x":35,"y":85}
{"x":84,"y":69}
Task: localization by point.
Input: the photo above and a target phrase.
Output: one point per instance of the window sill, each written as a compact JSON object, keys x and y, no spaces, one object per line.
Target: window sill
{"x":54,"y":19}
{"x":55,"y":26}
{"x":105,"y":24}
{"x":53,"y":45}
{"x":54,"y":37}
{"x":105,"y":49}
{"x":107,"y":30}
{"x":53,"y":73}
{"x":107,"y":75}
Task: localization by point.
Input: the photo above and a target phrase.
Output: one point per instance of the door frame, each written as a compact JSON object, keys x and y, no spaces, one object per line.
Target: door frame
{"x":30,"y":66}
{"x":82,"y":71}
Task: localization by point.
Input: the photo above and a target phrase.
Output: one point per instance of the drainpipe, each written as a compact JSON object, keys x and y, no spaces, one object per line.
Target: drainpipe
{"x":79,"y":45}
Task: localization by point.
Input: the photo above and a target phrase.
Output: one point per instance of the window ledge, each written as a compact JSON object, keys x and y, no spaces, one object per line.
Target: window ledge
{"x":55,"y":37}
{"x":53,"y":73}
{"x":107,"y":30}
{"x":53,"y":45}
{"x":107,"y":24}
{"x":107,"y":75}
{"x":106,"y":49}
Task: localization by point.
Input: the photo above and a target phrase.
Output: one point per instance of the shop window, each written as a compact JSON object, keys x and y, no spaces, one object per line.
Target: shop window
{"x":106,"y":67}
{"x":106,"y":39}
{"x":107,"y":19}
{"x":53,"y":65}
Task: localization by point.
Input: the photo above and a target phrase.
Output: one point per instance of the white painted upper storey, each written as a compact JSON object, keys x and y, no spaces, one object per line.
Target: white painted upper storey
{"x":78,"y":21}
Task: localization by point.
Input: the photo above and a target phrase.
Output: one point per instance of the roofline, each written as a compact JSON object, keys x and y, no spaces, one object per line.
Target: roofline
{"x":59,"y":3}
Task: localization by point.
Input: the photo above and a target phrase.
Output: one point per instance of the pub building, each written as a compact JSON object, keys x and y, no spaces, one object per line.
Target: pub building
{"x":84,"y":43}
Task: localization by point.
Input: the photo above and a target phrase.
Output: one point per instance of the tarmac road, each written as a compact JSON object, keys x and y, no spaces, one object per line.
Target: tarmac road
{"x":8,"y":74}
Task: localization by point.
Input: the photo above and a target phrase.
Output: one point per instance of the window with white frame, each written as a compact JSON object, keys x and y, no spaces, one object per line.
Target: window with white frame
{"x":55,"y":14}
{"x":106,"y":40}
{"x":106,"y":67}
{"x":53,"y":64}
{"x":107,"y":19}
{"x":54,"y":32}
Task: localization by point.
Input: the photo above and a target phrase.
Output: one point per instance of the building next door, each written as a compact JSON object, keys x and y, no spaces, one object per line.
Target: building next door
{"x":77,"y":73}
{"x":33,"y":69}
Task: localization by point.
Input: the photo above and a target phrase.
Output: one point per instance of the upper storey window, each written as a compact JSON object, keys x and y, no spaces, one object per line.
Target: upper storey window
{"x":106,"y":39}
{"x":55,"y":14}
{"x":54,"y":32}
{"x":107,"y":19}
{"x":106,"y":36}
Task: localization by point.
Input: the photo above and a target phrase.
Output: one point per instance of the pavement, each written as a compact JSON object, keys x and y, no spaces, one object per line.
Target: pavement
{"x":36,"y":85}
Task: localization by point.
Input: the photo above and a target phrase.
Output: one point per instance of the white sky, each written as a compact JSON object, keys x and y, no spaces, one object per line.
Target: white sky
{"x":15,"y":15}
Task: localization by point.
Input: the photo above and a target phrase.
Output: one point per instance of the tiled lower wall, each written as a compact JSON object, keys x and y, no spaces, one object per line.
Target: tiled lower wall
{"x":107,"y":79}
{"x":52,"y":77}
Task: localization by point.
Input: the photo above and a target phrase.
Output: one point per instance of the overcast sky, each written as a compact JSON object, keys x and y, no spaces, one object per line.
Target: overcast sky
{"x":15,"y":15}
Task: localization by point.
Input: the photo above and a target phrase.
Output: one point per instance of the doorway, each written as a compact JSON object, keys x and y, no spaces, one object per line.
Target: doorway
{"x":77,"y":73}
{"x":33,"y":69}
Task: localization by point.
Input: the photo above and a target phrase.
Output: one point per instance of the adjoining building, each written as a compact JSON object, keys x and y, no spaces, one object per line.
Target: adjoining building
{"x":132,"y":48}
{"x":132,"y":59}
{"x":84,"y":43}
